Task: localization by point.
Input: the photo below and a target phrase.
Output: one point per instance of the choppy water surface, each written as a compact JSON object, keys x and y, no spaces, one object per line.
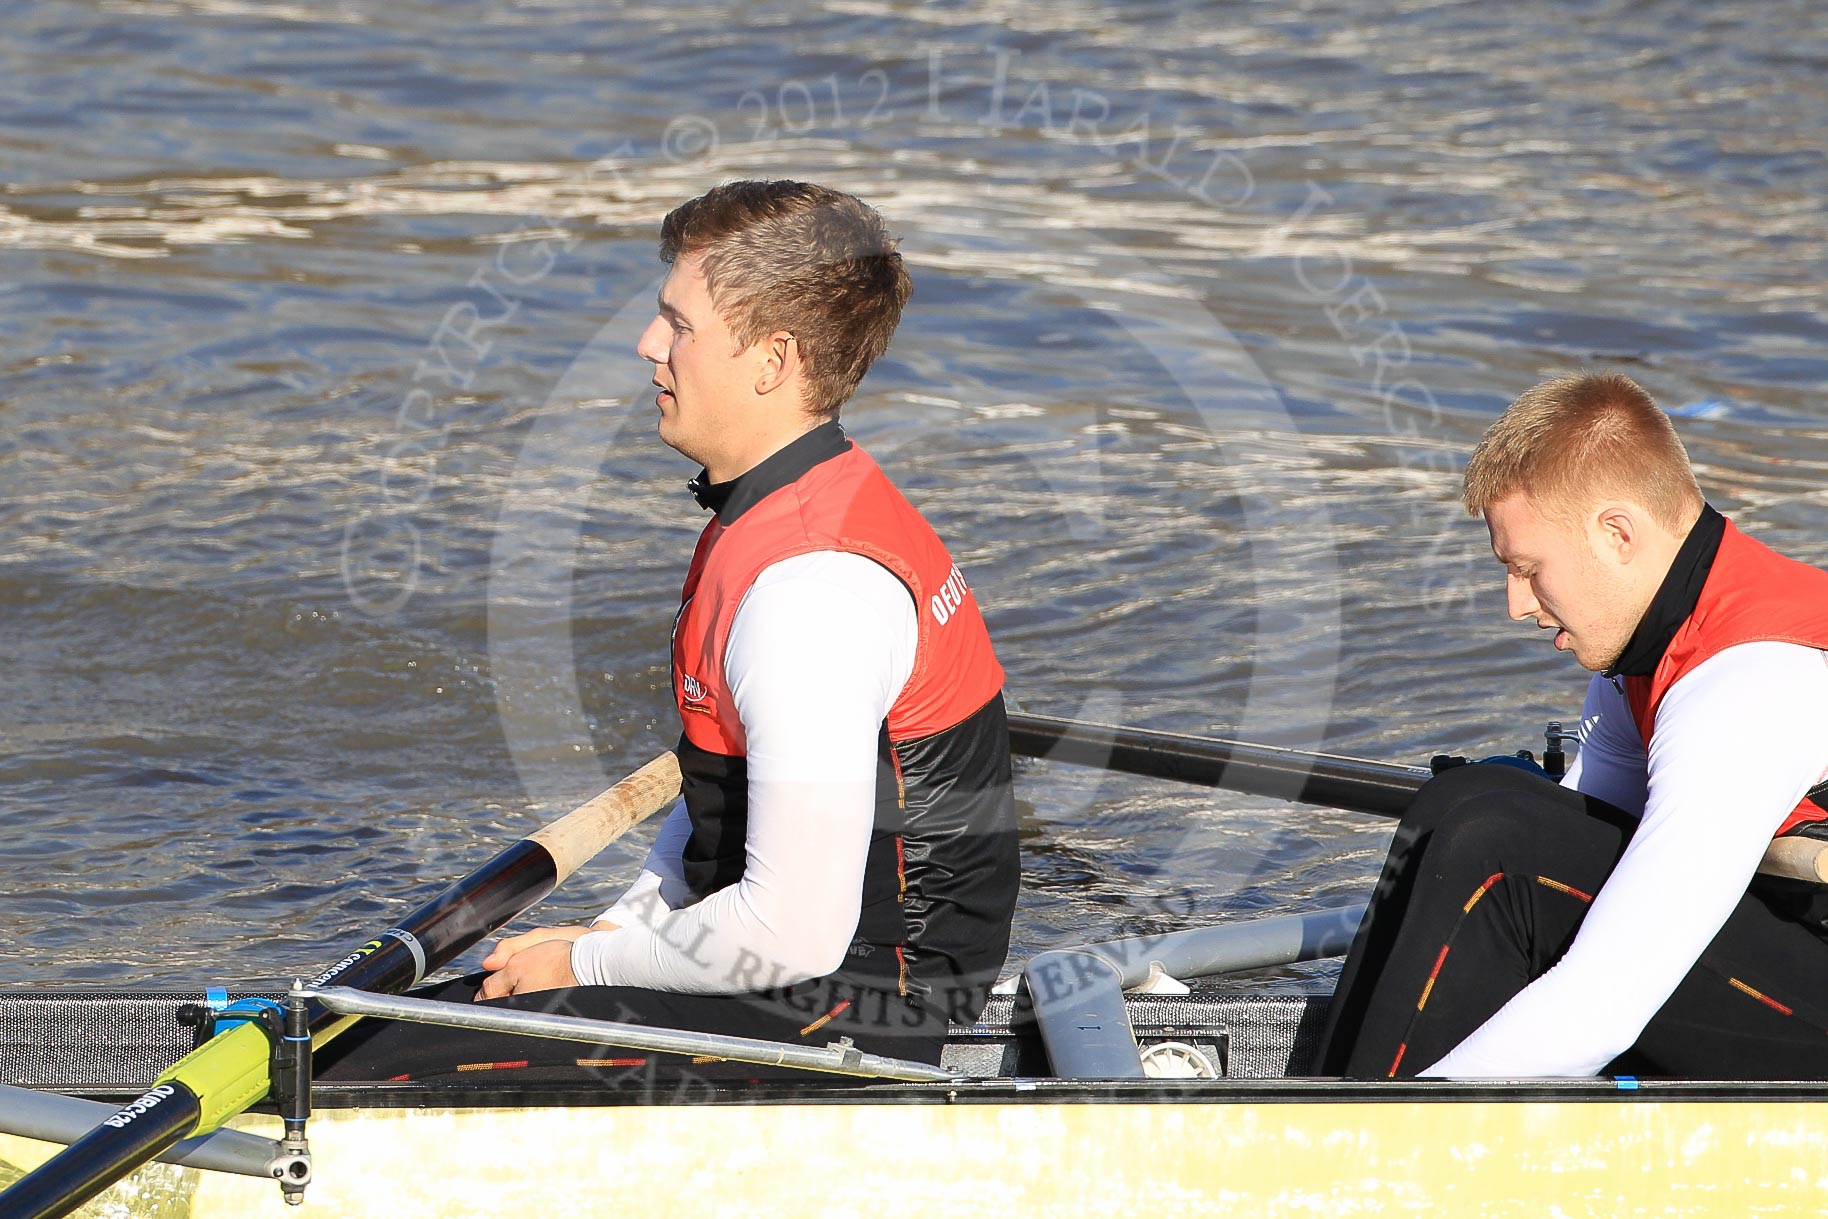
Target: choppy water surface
{"x":338,"y":548}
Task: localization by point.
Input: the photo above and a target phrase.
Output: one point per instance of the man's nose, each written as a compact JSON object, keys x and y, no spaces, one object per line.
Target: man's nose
{"x":652,"y":344}
{"x":1521,"y":598}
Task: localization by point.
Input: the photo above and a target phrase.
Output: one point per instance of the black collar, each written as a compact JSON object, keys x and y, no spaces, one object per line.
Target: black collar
{"x":731,"y":499}
{"x":1675,"y":600}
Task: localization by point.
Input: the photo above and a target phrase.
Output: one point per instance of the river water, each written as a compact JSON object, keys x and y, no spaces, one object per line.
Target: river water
{"x":336,"y":547}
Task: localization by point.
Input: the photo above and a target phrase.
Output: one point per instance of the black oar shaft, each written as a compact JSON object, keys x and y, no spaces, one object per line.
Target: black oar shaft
{"x":137,"y":1132}
{"x":1290,"y":774}
{"x":440,"y":930}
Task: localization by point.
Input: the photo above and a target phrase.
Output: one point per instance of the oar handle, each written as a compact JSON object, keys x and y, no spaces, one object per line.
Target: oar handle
{"x":577,"y":836}
{"x":1797,"y":858}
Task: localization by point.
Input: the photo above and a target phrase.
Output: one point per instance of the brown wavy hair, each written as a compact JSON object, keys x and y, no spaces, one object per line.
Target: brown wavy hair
{"x":1572,"y":441}
{"x":793,"y":256}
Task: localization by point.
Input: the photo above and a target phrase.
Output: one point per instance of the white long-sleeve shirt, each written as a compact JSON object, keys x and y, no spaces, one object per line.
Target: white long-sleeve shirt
{"x":1737,"y":742}
{"x":819,"y":649}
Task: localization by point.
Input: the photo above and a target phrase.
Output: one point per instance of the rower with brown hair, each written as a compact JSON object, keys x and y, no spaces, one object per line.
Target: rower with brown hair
{"x":843,"y":860}
{"x":1524,"y":929}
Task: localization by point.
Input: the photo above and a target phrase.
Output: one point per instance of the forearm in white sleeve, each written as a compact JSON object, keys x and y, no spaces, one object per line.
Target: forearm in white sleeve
{"x":818,"y":651}
{"x":1737,"y":743}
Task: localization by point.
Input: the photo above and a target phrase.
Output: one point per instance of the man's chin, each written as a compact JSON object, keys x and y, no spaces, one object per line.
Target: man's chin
{"x":1595,"y":664}
{"x":669,"y":436}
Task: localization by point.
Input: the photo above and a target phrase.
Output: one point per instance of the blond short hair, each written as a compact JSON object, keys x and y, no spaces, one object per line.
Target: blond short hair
{"x":1573,"y":441}
{"x":794,"y":256}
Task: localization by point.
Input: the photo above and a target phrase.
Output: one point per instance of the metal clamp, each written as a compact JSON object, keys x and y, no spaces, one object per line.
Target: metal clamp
{"x":291,"y":1091}
{"x":288,"y":1030}
{"x":1554,"y":761}
{"x":292,"y":1169}
{"x":850,"y":1058}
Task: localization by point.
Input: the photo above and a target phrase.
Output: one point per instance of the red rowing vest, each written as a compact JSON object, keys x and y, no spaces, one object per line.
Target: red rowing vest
{"x":845,"y":503}
{"x":942,"y":873}
{"x":1752,"y":595}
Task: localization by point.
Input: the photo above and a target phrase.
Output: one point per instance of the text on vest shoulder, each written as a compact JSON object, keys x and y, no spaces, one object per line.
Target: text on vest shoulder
{"x":950,"y":596}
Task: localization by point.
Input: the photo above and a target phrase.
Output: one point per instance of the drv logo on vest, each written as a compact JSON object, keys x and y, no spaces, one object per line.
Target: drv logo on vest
{"x":950,"y":596}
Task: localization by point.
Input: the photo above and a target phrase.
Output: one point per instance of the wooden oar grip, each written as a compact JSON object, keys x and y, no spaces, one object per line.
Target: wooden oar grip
{"x":1797,"y":858}
{"x":576,"y":837}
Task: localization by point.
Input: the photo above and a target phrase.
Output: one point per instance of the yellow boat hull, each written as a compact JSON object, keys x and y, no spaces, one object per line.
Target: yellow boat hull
{"x":1438,"y":1157}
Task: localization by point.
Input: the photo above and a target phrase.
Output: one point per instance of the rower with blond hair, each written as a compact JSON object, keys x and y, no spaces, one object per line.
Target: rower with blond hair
{"x":1614,"y":922}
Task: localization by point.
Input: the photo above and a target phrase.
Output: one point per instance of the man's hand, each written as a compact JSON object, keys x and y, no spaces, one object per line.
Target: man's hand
{"x":544,"y":966}
{"x":534,"y":960}
{"x":504,"y":950}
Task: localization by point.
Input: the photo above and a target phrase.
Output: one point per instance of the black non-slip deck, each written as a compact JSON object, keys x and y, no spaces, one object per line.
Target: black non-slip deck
{"x":110,"y":1042}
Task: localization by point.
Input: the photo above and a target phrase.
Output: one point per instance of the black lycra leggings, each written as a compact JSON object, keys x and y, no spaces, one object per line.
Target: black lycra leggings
{"x":1487,"y":881}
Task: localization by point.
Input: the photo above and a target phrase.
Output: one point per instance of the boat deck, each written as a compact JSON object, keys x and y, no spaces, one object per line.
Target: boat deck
{"x":111,"y":1044}
{"x":117,"y":1042}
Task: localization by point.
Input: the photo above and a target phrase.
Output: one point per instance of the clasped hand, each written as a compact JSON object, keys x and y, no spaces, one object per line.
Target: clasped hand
{"x":534,"y":960}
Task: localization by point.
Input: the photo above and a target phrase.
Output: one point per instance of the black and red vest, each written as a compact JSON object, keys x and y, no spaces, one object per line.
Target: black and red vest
{"x":940,"y":881}
{"x":1723,"y":589}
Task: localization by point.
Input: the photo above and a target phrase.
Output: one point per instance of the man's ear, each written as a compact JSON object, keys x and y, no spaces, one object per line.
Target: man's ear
{"x":1619,"y":530}
{"x":780,"y":362}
